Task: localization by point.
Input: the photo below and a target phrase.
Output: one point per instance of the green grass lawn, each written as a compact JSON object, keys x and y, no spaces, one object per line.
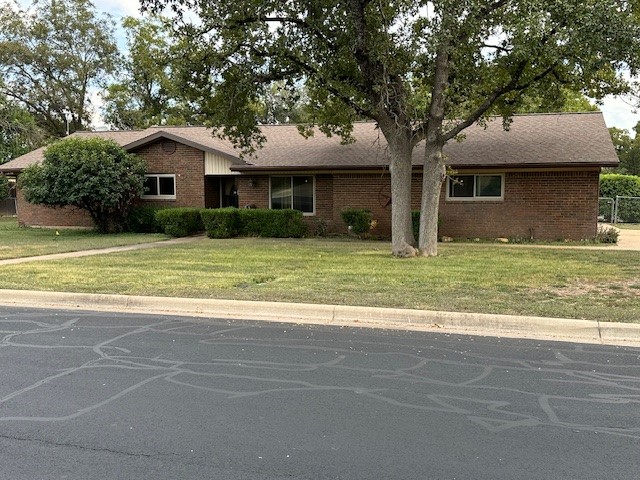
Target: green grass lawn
{"x":590,"y":284}
{"x":18,"y":242}
{"x":628,"y":226}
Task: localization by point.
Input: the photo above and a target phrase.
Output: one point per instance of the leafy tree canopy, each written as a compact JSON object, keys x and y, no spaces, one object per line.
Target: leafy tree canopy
{"x":563,"y":100}
{"x":146,"y":93}
{"x":423,"y":70}
{"x":19,"y":132}
{"x":51,"y":55}
{"x":628,"y":150}
{"x":92,"y":174}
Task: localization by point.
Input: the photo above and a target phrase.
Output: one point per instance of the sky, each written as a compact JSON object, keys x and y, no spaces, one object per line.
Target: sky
{"x":618,"y":112}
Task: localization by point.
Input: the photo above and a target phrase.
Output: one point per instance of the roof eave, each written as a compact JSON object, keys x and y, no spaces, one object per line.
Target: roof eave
{"x":273,"y":168}
{"x":177,"y":138}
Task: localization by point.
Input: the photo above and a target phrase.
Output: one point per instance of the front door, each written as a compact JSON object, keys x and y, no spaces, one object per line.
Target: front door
{"x":228,"y":192}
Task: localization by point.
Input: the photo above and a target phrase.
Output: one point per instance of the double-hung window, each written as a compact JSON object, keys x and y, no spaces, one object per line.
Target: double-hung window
{"x":296,"y":192}
{"x":159,"y":186}
{"x":475,"y":187}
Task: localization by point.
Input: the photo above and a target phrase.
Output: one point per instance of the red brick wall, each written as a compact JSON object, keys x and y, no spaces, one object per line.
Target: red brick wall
{"x":543,"y":205}
{"x":40,"y":216}
{"x":369,"y":191}
{"x":186,"y":163}
{"x":253,"y":191}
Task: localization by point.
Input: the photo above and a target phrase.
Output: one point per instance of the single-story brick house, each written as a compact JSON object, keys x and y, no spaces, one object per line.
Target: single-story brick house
{"x":537,"y":180}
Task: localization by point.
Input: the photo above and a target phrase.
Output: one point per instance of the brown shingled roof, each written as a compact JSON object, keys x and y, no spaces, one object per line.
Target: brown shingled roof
{"x":562,"y":139}
{"x":532,"y":140}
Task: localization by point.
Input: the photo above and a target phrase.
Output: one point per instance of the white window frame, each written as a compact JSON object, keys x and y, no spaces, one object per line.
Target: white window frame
{"x":161,"y":197}
{"x":313,"y":185}
{"x":476,"y":198}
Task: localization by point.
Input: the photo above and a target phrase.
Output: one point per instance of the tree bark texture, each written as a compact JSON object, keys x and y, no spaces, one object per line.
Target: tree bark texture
{"x":402,"y":239}
{"x":432,"y":178}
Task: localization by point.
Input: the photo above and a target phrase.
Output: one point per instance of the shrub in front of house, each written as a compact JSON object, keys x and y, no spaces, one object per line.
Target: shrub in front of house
{"x":607,"y":235}
{"x":142,"y":219}
{"x":358,"y":221}
{"x":614,"y":184}
{"x":180,"y":222}
{"x":93,"y":174}
{"x":256,"y":222}
{"x":262,"y":222}
{"x":221,"y":222}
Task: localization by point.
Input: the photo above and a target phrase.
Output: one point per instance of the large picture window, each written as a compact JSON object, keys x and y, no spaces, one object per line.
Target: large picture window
{"x":295,"y":192}
{"x":475,"y":187}
{"x":159,"y":187}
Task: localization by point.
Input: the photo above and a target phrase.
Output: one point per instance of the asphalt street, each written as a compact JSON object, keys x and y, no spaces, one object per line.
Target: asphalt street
{"x":121,"y":396}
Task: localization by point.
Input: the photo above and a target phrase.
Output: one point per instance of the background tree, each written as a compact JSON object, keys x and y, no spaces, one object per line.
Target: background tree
{"x":146,"y":93}
{"x":422,"y":70}
{"x":19,"y":132}
{"x":628,"y":150}
{"x":563,"y":100}
{"x":51,"y":55}
{"x":93,"y":174}
{"x":4,"y":187}
{"x":280,"y":104}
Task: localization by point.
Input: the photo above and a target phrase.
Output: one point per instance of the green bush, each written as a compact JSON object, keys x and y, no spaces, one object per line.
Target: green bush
{"x":261,"y":222}
{"x":221,"y":222}
{"x":614,"y":184}
{"x":607,"y":235}
{"x":180,"y":222}
{"x":232,"y":222}
{"x":93,"y":174}
{"x":142,"y":219}
{"x":359,"y":221}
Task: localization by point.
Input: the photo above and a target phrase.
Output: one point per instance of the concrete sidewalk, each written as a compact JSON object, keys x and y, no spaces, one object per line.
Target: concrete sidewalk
{"x":102,"y":251}
{"x":561,"y":329}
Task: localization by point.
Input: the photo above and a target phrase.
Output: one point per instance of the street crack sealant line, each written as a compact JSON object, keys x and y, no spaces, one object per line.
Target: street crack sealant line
{"x":561,"y":329}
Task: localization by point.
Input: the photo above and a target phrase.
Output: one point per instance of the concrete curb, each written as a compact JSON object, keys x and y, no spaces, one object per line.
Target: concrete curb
{"x":452,"y":322}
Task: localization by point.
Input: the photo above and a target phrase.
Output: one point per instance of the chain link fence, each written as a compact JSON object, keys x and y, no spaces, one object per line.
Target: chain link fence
{"x":620,"y":209}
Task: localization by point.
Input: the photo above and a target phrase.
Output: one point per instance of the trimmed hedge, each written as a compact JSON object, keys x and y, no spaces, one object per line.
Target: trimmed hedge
{"x":180,"y":222}
{"x":142,"y":219}
{"x":357,"y":220}
{"x":221,"y":222}
{"x":232,"y":222}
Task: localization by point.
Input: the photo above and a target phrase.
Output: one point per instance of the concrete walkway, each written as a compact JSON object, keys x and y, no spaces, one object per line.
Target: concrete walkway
{"x":102,"y":251}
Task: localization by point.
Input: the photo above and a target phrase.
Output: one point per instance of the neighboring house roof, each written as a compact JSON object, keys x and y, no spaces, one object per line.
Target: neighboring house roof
{"x":538,"y":140}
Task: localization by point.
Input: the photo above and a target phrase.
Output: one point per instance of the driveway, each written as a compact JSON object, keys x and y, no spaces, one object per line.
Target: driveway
{"x":628,"y":239}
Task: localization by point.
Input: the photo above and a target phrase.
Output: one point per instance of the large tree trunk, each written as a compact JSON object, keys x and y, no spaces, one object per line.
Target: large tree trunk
{"x":402,"y":239}
{"x":432,"y":178}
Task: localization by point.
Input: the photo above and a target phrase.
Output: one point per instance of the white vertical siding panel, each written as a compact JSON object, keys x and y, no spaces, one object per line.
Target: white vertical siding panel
{"x":216,"y":165}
